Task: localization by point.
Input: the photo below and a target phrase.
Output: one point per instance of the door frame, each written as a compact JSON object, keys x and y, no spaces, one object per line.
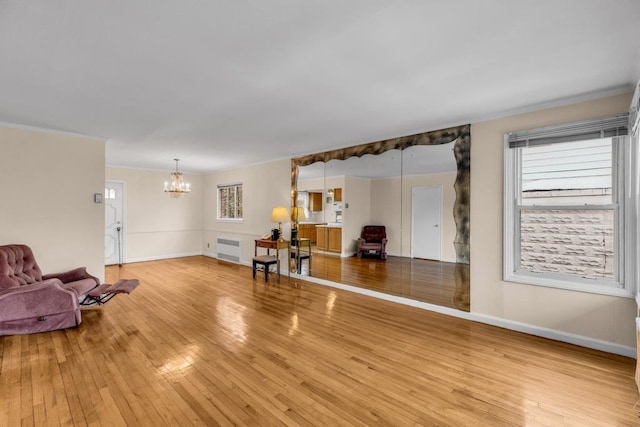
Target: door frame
{"x":439,"y":187}
{"x":123,"y":243}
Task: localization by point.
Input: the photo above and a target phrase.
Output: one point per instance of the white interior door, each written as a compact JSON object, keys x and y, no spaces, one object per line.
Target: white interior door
{"x":426,"y":218}
{"x":113,"y":224}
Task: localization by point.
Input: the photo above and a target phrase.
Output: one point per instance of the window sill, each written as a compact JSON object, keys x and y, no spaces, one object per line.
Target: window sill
{"x":593,"y":287}
{"x":231,"y":220}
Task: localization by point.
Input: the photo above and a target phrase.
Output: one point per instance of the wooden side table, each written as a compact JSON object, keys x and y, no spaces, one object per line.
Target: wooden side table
{"x":276,"y":245}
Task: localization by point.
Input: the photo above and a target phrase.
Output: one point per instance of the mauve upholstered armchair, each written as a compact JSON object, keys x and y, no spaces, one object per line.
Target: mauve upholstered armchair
{"x":32,"y":302}
{"x":373,"y":241}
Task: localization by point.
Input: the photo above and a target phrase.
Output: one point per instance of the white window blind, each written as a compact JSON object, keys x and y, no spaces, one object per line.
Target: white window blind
{"x":564,"y":219}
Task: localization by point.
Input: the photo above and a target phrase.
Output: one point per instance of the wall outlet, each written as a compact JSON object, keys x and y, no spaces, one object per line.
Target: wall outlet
{"x":207,"y":245}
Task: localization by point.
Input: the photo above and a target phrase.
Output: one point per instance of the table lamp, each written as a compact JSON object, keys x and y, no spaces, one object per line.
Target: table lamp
{"x":297,"y":215}
{"x":280,"y":214}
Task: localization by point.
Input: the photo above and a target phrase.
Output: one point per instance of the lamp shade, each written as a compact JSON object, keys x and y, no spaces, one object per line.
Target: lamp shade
{"x":280,"y":214}
{"x":297,"y":214}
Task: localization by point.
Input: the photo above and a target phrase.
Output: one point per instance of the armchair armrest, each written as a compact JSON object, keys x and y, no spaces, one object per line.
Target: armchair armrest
{"x":72,"y":276}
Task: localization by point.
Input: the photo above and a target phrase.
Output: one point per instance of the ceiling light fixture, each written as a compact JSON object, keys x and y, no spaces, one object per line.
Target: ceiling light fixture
{"x":177,"y":187}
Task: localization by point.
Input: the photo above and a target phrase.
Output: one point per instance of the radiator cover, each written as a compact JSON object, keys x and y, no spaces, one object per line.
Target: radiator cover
{"x":228,"y":249}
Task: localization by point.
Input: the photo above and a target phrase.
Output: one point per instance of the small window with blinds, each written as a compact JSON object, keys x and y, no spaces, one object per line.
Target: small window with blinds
{"x":564,"y":206}
{"x":230,"y":202}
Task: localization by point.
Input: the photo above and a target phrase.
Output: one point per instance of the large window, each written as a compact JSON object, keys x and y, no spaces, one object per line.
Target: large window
{"x":230,"y":202}
{"x":565,"y":206}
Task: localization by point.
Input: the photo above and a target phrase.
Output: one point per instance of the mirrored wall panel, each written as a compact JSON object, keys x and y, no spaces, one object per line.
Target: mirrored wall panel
{"x":391,"y":216}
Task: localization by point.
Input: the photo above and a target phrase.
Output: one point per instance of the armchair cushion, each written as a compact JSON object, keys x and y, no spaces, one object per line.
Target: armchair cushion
{"x":77,"y":279}
{"x":79,"y":273}
{"x":18,"y":267}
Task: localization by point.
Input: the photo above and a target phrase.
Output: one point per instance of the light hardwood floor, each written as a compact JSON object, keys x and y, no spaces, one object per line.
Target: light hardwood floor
{"x":201,"y":343}
{"x":419,"y":279}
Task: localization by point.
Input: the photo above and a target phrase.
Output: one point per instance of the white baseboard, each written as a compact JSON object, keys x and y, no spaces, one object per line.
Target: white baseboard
{"x":245,"y":263}
{"x":553,"y":334}
{"x":159,"y":257}
{"x":526,"y":328}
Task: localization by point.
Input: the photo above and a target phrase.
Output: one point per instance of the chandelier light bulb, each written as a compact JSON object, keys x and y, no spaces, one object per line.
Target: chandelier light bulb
{"x":177,"y":187}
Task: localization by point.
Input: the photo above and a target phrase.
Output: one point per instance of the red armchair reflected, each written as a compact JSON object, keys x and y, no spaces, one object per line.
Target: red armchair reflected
{"x":373,"y":241}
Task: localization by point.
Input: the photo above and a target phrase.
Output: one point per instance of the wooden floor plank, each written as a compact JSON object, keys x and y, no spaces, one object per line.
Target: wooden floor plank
{"x":201,"y":343}
{"x":419,"y":279}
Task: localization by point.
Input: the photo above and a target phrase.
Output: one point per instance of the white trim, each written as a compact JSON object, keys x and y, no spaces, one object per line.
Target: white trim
{"x":161,"y":257}
{"x":139,"y":168}
{"x":578,"y":284}
{"x":553,"y":334}
{"x":232,"y":184}
{"x":622,"y":286}
{"x":165,"y":231}
{"x":561,"y":102}
{"x":123,"y":243}
{"x":232,"y":220}
{"x":51,"y":131}
{"x":513,"y":325}
{"x":509,"y":234}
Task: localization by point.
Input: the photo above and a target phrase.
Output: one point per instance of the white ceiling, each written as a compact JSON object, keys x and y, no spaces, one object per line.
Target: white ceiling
{"x":226,"y":83}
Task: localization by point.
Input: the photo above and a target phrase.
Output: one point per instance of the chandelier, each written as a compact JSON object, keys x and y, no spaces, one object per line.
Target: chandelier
{"x":177,"y":187}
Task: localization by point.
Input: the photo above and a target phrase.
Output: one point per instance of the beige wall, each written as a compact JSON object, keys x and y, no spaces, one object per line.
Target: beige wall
{"x":386,"y":208}
{"x":46,"y":199}
{"x":595,"y":316}
{"x":156,"y":225}
{"x":264,"y":186}
{"x":357,"y":194}
{"x":392,"y":208}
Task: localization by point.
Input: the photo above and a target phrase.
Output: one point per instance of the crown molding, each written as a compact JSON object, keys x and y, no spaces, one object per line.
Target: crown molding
{"x":50,"y":131}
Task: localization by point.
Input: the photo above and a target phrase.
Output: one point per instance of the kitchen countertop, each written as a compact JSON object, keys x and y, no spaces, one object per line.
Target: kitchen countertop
{"x":331,"y":225}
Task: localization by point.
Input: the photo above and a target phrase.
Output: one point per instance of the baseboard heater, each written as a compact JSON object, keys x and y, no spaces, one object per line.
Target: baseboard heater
{"x":228,"y":250}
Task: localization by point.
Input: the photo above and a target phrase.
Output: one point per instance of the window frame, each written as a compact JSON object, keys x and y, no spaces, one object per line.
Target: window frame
{"x":220,"y":218}
{"x":620,"y":204}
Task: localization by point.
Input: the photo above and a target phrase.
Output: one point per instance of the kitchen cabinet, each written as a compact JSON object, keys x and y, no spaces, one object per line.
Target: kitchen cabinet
{"x":322,"y":238}
{"x":329,"y":238}
{"x":337,"y":194}
{"x":315,"y":202}
{"x":335,"y":239}
{"x":307,"y":231}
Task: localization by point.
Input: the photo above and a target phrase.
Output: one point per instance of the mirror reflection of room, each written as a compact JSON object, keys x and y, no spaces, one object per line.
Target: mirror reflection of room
{"x":407,"y":198}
